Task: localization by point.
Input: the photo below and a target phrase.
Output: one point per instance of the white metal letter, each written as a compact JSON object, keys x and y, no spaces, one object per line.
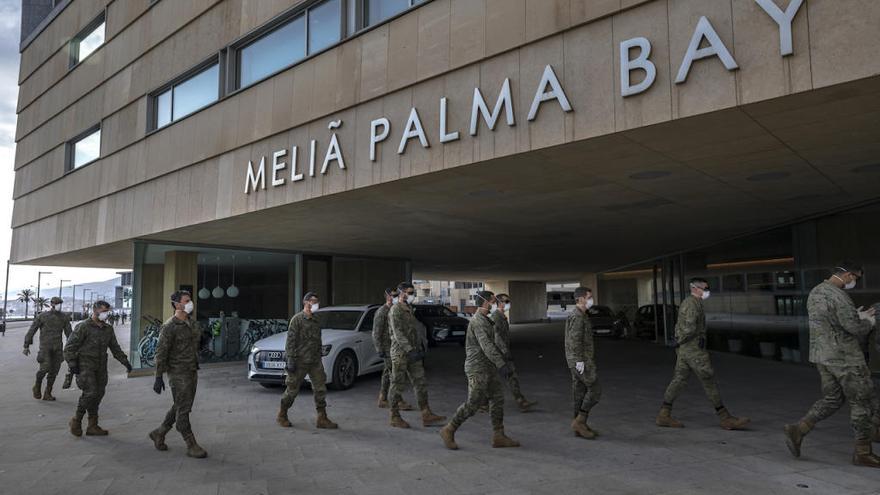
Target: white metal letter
{"x":479,"y":108}
{"x":278,"y":166}
{"x":413,"y":129}
{"x":378,"y":138}
{"x":445,"y":137}
{"x":784,"y":20}
{"x":294,"y":161}
{"x":716,"y":48}
{"x":556,"y":93}
{"x":333,"y":153}
{"x":313,"y":146}
{"x":250,"y":184}
{"x":628,"y":65}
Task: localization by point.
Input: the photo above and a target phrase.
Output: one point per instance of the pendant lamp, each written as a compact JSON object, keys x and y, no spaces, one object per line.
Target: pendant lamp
{"x":218,"y":291}
{"x":204,"y":293}
{"x":232,"y":291}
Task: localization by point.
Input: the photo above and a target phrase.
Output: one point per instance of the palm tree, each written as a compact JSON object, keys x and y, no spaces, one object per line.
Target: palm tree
{"x":40,"y":303}
{"x":25,"y":296}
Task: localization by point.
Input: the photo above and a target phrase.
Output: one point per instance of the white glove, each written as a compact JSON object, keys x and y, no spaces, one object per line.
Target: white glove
{"x":579,"y":366}
{"x":868,"y":315}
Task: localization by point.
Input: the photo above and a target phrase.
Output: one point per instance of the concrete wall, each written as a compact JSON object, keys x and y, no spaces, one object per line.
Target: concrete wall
{"x":528,"y":301}
{"x":363,"y":281}
{"x":444,"y":48}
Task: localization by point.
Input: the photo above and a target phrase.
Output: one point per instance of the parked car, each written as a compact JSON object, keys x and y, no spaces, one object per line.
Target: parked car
{"x":348,"y":352}
{"x":644,"y":321}
{"x":441,"y":323}
{"x":605,"y":323}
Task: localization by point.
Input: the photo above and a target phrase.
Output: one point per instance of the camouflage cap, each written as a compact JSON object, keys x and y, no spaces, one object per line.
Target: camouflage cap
{"x":56,"y":300}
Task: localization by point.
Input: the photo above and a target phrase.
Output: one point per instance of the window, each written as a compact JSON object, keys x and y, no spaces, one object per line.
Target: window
{"x":733,"y":283}
{"x":367,"y":324}
{"x":789,"y":305}
{"x":786,"y":280}
{"x":84,"y":149}
{"x":87,"y":41}
{"x":187,"y":96}
{"x":376,"y":11}
{"x":338,"y":320}
{"x":325,"y":24}
{"x":760,"y":281}
{"x":273,"y":52}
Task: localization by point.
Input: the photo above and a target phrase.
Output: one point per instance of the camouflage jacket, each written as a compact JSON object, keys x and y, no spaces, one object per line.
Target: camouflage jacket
{"x":88,"y":344}
{"x":502,"y":332}
{"x":178,"y":348}
{"x":51,"y":325}
{"x":481,"y":353}
{"x":404,"y":330}
{"x":691,"y":324}
{"x":381,"y":330}
{"x":303,"y":340}
{"x":835,"y":327}
{"x":578,"y":338}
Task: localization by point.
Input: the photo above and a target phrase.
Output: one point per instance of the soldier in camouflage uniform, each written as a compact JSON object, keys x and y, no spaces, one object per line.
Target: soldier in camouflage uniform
{"x":51,"y":325}
{"x":407,"y":354}
{"x":835,"y":329}
{"x":178,"y":355}
{"x":865,"y":343}
{"x":502,"y":340}
{"x":483,"y":364}
{"x":303,"y":353}
{"x":382,"y":343}
{"x":86,"y":356}
{"x":580,"y":356}
{"x":692,"y":356}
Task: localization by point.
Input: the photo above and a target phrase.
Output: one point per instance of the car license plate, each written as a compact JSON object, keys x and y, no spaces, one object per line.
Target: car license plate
{"x":603,"y":331}
{"x":274,"y":365}
{"x":457,"y":333}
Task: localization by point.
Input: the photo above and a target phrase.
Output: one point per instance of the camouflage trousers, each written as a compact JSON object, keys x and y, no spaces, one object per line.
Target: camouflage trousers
{"x":841,"y":384}
{"x":385,"y":385}
{"x":513,"y":383}
{"x":585,"y":389}
{"x":92,"y":381}
{"x":482,"y":387}
{"x":402,"y":370}
{"x":294,"y":381}
{"x":696,"y":361}
{"x":183,"y":392}
{"x":50,"y":360}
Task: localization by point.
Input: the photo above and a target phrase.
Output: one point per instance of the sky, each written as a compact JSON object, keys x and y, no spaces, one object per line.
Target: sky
{"x":21,"y":276}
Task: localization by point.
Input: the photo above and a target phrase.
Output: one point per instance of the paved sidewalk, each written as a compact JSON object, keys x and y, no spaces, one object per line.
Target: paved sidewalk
{"x":234,"y":420}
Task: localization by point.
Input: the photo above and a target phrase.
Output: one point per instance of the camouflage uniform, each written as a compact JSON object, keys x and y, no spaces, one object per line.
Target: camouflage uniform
{"x":502,"y":341}
{"x":87,"y":349}
{"x":865,"y":343}
{"x":585,"y":390}
{"x":303,"y":352}
{"x":51,"y":325}
{"x":835,"y":330}
{"x":404,"y":339}
{"x":482,"y":362}
{"x":382,"y":343}
{"x":690,"y":334}
{"x":178,"y":355}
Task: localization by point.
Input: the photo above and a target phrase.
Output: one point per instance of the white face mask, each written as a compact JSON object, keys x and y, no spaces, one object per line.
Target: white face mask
{"x":494,"y":307}
{"x":188,"y":307}
{"x":395,"y":301}
{"x":590,"y":303}
{"x":506,"y":306}
{"x":103,"y":316}
{"x":848,"y":286}
{"x":410,"y":298}
{"x":315,"y":307}
{"x":705,"y":295}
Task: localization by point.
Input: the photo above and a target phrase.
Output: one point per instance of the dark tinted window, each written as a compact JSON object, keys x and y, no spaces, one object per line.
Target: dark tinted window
{"x":433,"y":311}
{"x":599,"y":311}
{"x":338,"y":320}
{"x":367,"y":324}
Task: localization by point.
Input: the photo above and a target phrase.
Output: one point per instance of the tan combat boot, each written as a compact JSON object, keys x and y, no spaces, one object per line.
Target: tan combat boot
{"x":525,"y":405}
{"x":665,"y":419}
{"x":193,"y":449}
{"x":158,"y":437}
{"x":405,"y":406}
{"x":38,"y":392}
{"x":93,"y":429}
{"x":731,"y":422}
{"x":382,"y":402}
{"x":794,"y":435}
{"x":324,"y":422}
{"x":863,"y":456}
{"x":397,"y":421}
{"x":47,"y":395}
{"x":76,"y":428}
{"x":500,"y":440}
{"x":282,"y":419}
{"x":580,"y":428}
{"x":447,"y":433}
{"x":431,"y":419}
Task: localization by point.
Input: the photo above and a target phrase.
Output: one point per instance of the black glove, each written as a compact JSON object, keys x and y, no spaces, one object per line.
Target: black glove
{"x":383,"y":355}
{"x":128,"y":367}
{"x":504,"y":371}
{"x":159,"y":385}
{"x":73,"y":369}
{"x":702,"y":342}
{"x":291,"y":367}
{"x":414,"y":356}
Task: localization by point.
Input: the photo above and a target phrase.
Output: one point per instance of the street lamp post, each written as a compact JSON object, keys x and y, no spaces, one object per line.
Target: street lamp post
{"x":5,"y":297}
{"x":61,"y":287}
{"x":85,"y":308}
{"x":39,"y":275}
{"x":73,"y":302}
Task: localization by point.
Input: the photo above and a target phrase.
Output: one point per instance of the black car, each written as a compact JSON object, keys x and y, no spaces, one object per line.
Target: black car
{"x":441,"y":323}
{"x":644,"y":322}
{"x":605,"y":323}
